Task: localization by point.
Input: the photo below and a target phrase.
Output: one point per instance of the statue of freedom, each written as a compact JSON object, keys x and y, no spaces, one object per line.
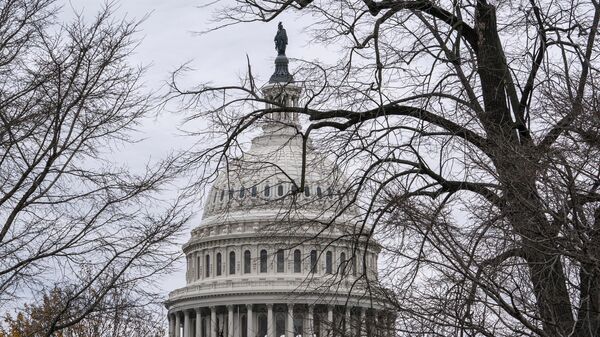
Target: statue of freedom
{"x":281,"y":40}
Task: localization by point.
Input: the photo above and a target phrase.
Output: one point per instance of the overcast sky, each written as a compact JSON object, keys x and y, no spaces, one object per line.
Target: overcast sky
{"x":169,"y":38}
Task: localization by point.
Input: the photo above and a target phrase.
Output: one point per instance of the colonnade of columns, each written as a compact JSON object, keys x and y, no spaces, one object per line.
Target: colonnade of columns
{"x":292,"y":321}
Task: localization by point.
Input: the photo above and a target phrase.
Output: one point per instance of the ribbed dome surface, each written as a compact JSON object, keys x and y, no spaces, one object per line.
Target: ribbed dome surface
{"x":269,"y":177}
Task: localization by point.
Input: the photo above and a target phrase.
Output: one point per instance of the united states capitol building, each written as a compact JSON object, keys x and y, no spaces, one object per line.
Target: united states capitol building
{"x":277,"y":255}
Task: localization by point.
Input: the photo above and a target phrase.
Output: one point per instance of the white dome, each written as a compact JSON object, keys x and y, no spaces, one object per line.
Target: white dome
{"x":263,"y":243}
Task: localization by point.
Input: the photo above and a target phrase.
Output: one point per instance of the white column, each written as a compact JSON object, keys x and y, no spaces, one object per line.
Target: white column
{"x":186,"y":323}
{"x":270,"y":321}
{"x":348,"y":322}
{"x":311,"y":321}
{"x":330,"y":320}
{"x":250,"y":321}
{"x":230,"y":320}
{"x":177,"y":325}
{"x":171,"y":325}
{"x":213,"y":322}
{"x":290,"y":320}
{"x":198,"y":322}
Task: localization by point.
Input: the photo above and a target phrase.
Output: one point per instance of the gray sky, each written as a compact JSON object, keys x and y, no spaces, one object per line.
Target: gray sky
{"x":169,"y":38}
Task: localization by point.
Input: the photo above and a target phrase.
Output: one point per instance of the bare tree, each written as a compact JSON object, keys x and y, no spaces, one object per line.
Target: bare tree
{"x":69,"y":212}
{"x":470,"y":131}
{"x":119,"y":314}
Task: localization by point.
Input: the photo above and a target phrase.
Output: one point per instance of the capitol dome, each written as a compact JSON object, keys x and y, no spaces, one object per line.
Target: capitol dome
{"x":278,"y":251}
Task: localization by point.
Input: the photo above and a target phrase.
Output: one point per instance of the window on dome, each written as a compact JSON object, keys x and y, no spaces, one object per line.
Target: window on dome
{"x":231,"y":192}
{"x":297,"y":261}
{"x":313,"y":261}
{"x":328,"y":263}
{"x":280,"y":190}
{"x":354,"y":271}
{"x":247,"y":262}
{"x":242,"y":192}
{"x":263,"y":261}
{"x":343,"y":263}
{"x":254,"y":191}
{"x":231,"y":263}
{"x":222,"y":194}
{"x":267,"y":191}
{"x":280,"y":261}
{"x":207,"y":265}
{"x":319,"y":191}
{"x":198,"y":271}
{"x":218,"y":264}
{"x":330,"y":193}
{"x":306,"y":191}
{"x":294,"y":189}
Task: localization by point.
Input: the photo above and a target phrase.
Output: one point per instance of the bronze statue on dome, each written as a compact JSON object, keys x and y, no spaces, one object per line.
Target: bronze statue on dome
{"x":281,"y":40}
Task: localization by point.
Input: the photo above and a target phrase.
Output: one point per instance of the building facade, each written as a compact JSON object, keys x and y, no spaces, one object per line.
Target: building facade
{"x":274,"y":257}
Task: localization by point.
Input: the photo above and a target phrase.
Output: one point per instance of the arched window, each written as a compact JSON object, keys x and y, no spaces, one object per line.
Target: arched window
{"x":343,"y":263}
{"x":219,"y":264}
{"x":306,"y":191}
{"x":280,"y":261}
{"x":231,"y":263}
{"x":297,"y":261}
{"x":329,"y":263}
{"x":319,"y":191}
{"x":242,"y":192}
{"x":354,"y":271}
{"x":267,"y":191}
{"x":280,"y":190}
{"x":313,"y":261}
{"x":198,"y":273}
{"x":254,"y":191}
{"x":247,"y":262}
{"x":207,"y":265}
{"x":263,"y":261}
{"x":231,"y":192}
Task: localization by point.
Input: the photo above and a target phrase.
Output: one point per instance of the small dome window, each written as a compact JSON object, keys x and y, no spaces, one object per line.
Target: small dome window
{"x":231,"y":263}
{"x":329,"y":263}
{"x":294,"y":189}
{"x":297,"y":261}
{"x":306,"y":191}
{"x":313,"y":261}
{"x":263,"y":261}
{"x":242,"y":192}
{"x":319,"y":192}
{"x":267,"y":190}
{"x":231,"y":192}
{"x":219,"y":264}
{"x":280,"y":190}
{"x":254,"y":191}
{"x":222,"y":194}
{"x":247,"y":262}
{"x":280,"y":261}
{"x":207,"y":265}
